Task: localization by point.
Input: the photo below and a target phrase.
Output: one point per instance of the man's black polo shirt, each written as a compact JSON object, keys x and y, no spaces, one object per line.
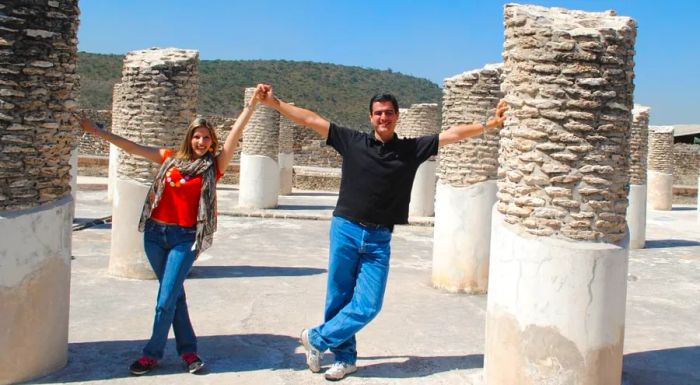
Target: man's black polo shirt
{"x":377,"y":177}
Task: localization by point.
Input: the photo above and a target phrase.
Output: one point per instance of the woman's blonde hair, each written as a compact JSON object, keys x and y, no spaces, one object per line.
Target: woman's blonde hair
{"x":185,"y":152}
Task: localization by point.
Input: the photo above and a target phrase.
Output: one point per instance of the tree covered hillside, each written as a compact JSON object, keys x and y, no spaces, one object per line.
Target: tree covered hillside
{"x":340,"y":93}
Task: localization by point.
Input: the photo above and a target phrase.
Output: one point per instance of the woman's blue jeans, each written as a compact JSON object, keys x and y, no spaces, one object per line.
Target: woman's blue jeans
{"x":358,"y":269}
{"x":169,"y":250}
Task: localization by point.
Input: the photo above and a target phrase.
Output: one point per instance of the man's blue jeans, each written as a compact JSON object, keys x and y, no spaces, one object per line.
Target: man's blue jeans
{"x":357,"y":273}
{"x":169,"y":250}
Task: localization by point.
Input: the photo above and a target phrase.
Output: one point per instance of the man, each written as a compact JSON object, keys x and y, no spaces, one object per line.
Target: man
{"x":375,"y":189}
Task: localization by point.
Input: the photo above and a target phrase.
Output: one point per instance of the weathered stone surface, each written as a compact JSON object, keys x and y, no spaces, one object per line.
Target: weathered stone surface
{"x":686,"y":164}
{"x":567,"y":78}
{"x":639,"y":137}
{"x":660,"y":157}
{"x":471,"y":97}
{"x":261,"y":136}
{"x":418,"y":120}
{"x":155,"y":102}
{"x":38,"y":88}
{"x":286,"y":135}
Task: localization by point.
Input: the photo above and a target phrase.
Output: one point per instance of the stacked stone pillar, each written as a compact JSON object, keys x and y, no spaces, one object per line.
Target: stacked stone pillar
{"x":556,"y":304}
{"x":286,"y":154}
{"x":420,"y":120}
{"x":466,"y":187}
{"x":637,"y":209}
{"x":38,"y":89}
{"x":114,"y":150}
{"x":660,"y":168}
{"x":260,"y":173}
{"x":158,"y":98}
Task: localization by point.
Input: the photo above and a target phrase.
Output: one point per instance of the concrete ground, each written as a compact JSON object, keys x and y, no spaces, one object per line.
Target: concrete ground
{"x":263,"y":281}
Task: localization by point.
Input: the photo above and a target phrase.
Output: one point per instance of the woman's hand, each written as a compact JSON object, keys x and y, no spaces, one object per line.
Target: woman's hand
{"x":499,"y":116}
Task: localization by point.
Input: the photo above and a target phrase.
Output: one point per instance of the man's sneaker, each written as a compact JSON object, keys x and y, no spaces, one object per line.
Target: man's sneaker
{"x":143,"y":365}
{"x":339,"y":370}
{"x":313,"y":355}
{"x":192,"y":361}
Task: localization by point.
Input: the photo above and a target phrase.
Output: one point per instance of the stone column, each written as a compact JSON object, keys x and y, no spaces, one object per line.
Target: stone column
{"x":559,"y":251}
{"x":38,"y":89}
{"x":114,"y":150}
{"x":660,"y":164}
{"x":260,"y":174}
{"x":466,"y":188}
{"x":420,"y":120}
{"x":159,"y":97}
{"x":637,"y":209}
{"x":286,"y":154}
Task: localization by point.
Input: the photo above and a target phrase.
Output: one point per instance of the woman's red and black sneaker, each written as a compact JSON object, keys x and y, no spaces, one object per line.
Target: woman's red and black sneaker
{"x":192,"y":361}
{"x":143,"y":365}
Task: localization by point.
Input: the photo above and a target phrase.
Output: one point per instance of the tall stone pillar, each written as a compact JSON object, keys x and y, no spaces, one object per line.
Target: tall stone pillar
{"x":637,"y":209}
{"x":38,"y":89}
{"x":159,"y":97}
{"x":114,"y":150}
{"x":556,"y":305}
{"x":286,"y":154}
{"x":660,"y":168}
{"x":419,"y":120}
{"x":466,"y":188}
{"x":260,"y":174}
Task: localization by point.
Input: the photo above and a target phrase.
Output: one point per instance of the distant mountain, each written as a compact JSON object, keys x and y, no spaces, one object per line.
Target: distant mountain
{"x":339,"y":93}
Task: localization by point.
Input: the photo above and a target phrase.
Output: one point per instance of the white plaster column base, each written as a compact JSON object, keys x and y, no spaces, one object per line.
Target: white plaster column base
{"x":555,"y":312}
{"x":259,"y":183}
{"x":35,"y":253}
{"x":659,"y":190}
{"x":112,"y":170}
{"x":286,"y":162}
{"x":127,"y":257}
{"x":637,"y":216}
{"x":462,"y":235}
{"x":423,"y":191}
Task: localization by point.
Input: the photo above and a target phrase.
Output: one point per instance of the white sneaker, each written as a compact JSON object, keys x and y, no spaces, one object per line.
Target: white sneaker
{"x":313,"y":355}
{"x":339,"y":370}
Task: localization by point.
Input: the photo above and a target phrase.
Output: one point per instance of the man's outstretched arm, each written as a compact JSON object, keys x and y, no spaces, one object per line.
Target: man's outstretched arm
{"x":298,"y":115}
{"x":462,"y":131}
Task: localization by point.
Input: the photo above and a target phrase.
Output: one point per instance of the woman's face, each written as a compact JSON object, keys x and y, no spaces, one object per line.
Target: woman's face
{"x":201,"y":141}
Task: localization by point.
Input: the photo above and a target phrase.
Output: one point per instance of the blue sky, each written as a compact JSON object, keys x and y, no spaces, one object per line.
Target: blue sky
{"x":431,"y":39}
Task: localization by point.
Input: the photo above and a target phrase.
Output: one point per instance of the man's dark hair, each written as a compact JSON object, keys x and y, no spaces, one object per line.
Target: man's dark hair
{"x":384,"y":98}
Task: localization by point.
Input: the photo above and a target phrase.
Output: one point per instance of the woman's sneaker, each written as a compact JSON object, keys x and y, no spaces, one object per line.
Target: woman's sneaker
{"x":192,"y":361}
{"x":143,"y":365}
{"x":339,"y":370}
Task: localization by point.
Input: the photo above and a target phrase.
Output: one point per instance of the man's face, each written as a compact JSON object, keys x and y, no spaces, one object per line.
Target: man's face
{"x":383,"y":119}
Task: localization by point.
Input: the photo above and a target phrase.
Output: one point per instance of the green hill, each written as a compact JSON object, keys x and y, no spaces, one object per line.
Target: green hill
{"x":340,"y":93}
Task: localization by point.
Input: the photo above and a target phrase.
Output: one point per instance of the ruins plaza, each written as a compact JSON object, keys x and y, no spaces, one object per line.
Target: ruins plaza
{"x":263,"y":281}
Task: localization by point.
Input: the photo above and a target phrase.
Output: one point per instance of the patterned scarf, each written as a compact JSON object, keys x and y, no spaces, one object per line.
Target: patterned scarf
{"x":206,"y":212}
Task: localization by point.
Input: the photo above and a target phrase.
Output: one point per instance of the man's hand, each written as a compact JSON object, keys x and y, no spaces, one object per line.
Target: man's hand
{"x":263,"y":93}
{"x":498,"y":116}
{"x":86,"y":124}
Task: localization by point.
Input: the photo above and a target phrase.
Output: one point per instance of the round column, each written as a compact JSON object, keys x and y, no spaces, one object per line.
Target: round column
{"x":556,"y":305}
{"x":286,"y":154}
{"x":114,"y":150}
{"x":158,"y":101}
{"x":637,"y":209}
{"x":660,"y":164}
{"x":420,"y":120}
{"x":466,"y":187}
{"x":260,"y":173}
{"x":38,"y":89}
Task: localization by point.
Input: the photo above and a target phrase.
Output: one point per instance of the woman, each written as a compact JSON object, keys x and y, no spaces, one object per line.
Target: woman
{"x":178,"y":221}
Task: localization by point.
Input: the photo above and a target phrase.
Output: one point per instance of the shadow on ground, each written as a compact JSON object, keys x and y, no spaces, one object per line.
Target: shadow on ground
{"x":105,"y":360}
{"x":199,"y":271}
{"x":413,"y":366}
{"x":666,"y":243}
{"x":678,"y":366}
